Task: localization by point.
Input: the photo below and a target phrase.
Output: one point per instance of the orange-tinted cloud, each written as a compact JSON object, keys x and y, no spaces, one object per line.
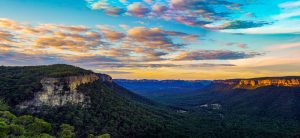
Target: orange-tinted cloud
{"x":93,"y":47}
{"x":138,"y":9}
{"x":111,"y":34}
{"x":153,"y":38}
{"x":6,"y":36}
{"x":137,"y":44}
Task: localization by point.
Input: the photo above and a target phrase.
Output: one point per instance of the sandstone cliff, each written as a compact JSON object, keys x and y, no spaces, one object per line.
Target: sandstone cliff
{"x":253,"y":84}
{"x":261,"y":82}
{"x":61,"y":91}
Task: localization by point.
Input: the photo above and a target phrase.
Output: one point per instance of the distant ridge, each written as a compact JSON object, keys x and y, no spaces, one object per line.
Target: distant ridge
{"x":253,"y":83}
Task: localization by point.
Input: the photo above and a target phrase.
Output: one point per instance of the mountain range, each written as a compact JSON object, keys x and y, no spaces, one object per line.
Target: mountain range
{"x":159,"y":89}
{"x":97,"y":104}
{"x":269,"y":96}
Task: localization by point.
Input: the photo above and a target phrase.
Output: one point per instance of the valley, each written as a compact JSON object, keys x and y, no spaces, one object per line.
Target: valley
{"x":269,"y":105}
{"x":96,"y":104}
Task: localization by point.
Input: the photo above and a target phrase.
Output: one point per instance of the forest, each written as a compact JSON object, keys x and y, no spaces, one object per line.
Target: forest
{"x":115,"y":111}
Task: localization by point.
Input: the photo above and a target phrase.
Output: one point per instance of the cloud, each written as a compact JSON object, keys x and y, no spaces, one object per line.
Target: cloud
{"x":277,"y":24}
{"x":288,"y":14}
{"x":19,"y":58}
{"x":149,"y":1}
{"x":6,"y":37}
{"x":191,"y":21}
{"x":69,"y":41}
{"x":189,"y":12}
{"x":77,"y":29}
{"x":153,"y":38}
{"x":15,"y":58}
{"x":238,"y":24}
{"x":138,"y":9}
{"x":136,"y":44}
{"x":106,"y":47}
{"x":9,"y":24}
{"x":93,"y":59}
{"x":111,"y":34}
{"x":5,"y":47}
{"x":215,"y":55}
{"x":209,"y":65}
{"x":115,"y":72}
{"x":150,"y":54}
{"x":124,"y":26}
{"x":110,"y":10}
{"x":280,"y":27}
{"x":159,"y":8}
{"x":290,"y":4}
{"x":240,"y":45}
{"x":284,"y":46}
{"x":118,"y":52}
{"x":190,"y":38}
{"x":114,"y":11}
{"x":193,"y":4}
{"x":134,"y":65}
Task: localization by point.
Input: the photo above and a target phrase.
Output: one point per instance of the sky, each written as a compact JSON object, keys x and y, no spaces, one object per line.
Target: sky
{"x":155,"y":39}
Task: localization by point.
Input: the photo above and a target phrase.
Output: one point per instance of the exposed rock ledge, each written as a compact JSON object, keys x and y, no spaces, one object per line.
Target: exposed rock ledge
{"x":252,"y":84}
{"x":260,"y":82}
{"x":61,"y":91}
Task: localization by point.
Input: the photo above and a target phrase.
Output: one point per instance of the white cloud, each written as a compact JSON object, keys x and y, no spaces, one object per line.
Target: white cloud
{"x":100,"y":5}
{"x":287,"y":14}
{"x":123,"y":1}
{"x":290,"y":4}
{"x":284,"y":46}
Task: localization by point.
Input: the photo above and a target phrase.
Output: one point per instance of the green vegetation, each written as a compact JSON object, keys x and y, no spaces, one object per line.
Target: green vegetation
{"x":27,"y":126}
{"x":116,"y":112}
{"x":113,"y":114}
{"x":264,"y":112}
{"x":67,"y":131}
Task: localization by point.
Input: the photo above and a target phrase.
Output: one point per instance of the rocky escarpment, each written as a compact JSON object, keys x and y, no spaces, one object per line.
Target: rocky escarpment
{"x":61,"y":91}
{"x":253,"y":84}
{"x":105,"y":78}
{"x":261,"y":82}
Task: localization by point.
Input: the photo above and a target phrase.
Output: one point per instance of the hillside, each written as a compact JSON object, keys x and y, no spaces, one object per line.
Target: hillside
{"x":90,"y":102}
{"x":231,"y":108}
{"x":277,"y":97}
{"x":65,"y":96}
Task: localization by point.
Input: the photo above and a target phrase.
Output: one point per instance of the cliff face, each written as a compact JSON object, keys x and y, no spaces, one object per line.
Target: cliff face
{"x":260,"y":82}
{"x":105,"y":78}
{"x":253,"y":84}
{"x":61,"y":91}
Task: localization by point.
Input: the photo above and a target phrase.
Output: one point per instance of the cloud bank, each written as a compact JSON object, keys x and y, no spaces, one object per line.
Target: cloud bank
{"x":104,"y":47}
{"x":199,"y":13}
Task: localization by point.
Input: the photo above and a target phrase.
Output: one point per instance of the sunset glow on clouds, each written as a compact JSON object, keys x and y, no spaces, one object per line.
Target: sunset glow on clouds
{"x":157,"y":39}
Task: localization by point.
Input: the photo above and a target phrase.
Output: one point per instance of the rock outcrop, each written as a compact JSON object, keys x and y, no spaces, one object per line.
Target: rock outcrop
{"x":260,"y":82}
{"x":61,"y":91}
{"x":256,"y":83}
{"x":105,"y":78}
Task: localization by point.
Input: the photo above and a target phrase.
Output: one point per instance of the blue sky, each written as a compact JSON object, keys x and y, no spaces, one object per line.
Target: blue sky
{"x":157,"y":39}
